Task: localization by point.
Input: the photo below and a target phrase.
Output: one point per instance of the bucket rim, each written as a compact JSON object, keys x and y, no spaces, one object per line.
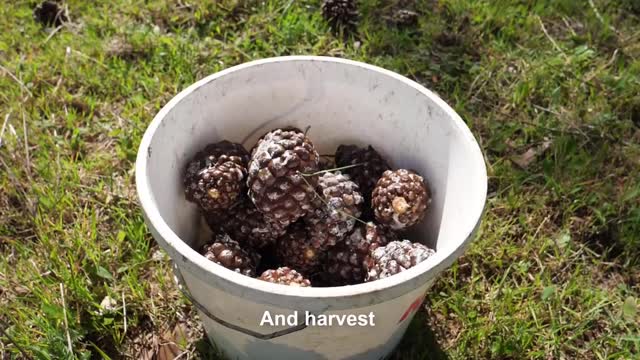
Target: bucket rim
{"x":262,"y":291}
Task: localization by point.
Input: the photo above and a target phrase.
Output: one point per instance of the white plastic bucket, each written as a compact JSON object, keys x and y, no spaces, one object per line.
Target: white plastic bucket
{"x":344,"y":102}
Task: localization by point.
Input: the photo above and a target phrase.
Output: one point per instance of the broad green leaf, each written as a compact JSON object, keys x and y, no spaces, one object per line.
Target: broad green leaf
{"x":629,"y":308}
{"x":548,"y":291}
{"x":563,"y":239}
{"x":103,"y":273}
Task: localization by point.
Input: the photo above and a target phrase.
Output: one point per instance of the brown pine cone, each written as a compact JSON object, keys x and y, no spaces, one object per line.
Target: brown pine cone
{"x":372,"y":165}
{"x":244,"y":223}
{"x":341,"y":14}
{"x":276,"y":184}
{"x":228,"y":148}
{"x":393,"y":258}
{"x":345,"y":262}
{"x":337,"y":205}
{"x":228,"y":253}
{"x":400,"y":199}
{"x":404,"y":18}
{"x":295,"y":250}
{"x":218,"y":186}
{"x":215,"y":176}
{"x":210,"y":154}
{"x":285,"y":276}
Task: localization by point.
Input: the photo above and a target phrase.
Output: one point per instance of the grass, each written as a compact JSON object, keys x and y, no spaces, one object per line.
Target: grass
{"x":551,"y":89}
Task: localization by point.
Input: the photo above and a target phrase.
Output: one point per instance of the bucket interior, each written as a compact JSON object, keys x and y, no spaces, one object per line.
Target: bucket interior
{"x":343,"y":103}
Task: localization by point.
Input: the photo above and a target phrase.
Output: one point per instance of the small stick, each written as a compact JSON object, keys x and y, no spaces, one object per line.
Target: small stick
{"x":555,"y":44}
{"x":5,"y":334}
{"x":89,"y":58}
{"x":124,"y":313}
{"x":4,"y":126}
{"x":599,"y":16}
{"x":66,"y":324}
{"x":55,"y":89}
{"x":286,"y":8}
{"x":566,"y":23}
{"x":327,"y":204}
{"x":334,"y":169}
{"x":26,"y":145}
{"x":52,"y":34}
{"x":16,"y":80}
{"x":595,"y":73}
{"x":546,"y":110}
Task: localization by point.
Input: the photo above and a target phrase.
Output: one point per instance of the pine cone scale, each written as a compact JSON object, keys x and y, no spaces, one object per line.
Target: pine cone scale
{"x":275,"y":184}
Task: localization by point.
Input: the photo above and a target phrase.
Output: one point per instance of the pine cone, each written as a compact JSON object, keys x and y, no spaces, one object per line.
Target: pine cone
{"x":338,"y":204}
{"x":228,"y":253}
{"x":372,"y":165}
{"x":214,"y":177}
{"x":345,"y":262}
{"x":393,"y":258}
{"x":276,"y":184}
{"x":295,"y":250}
{"x":210,"y":154}
{"x":400,"y":199}
{"x":244,"y":223}
{"x":405,"y":18}
{"x":285,"y":276}
{"x":218,"y":186}
{"x":341,"y":14}
{"x":228,"y":148}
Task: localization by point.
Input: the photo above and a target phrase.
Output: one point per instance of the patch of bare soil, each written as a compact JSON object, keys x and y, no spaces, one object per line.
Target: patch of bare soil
{"x":51,"y":13}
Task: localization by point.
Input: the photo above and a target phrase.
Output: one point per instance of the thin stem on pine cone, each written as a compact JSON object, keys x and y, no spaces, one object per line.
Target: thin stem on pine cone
{"x":334,"y":169}
{"x":327,"y":204}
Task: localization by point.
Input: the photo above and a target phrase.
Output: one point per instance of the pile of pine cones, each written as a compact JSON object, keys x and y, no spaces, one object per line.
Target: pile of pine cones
{"x":289,"y":216}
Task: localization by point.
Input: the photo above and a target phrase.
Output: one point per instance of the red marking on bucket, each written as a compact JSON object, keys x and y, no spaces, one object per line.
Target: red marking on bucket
{"x":413,"y":307}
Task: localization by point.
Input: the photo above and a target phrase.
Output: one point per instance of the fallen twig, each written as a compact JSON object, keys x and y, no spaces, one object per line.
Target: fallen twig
{"x":22,"y":85}
{"x":609,"y":63}
{"x":599,"y":16}
{"x":4,"y":333}
{"x":555,"y":44}
{"x":566,"y":23}
{"x":124,"y":314}
{"x":4,"y":126}
{"x":53,"y":32}
{"x":87,"y":57}
{"x":66,"y":324}
{"x":26,"y":145}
